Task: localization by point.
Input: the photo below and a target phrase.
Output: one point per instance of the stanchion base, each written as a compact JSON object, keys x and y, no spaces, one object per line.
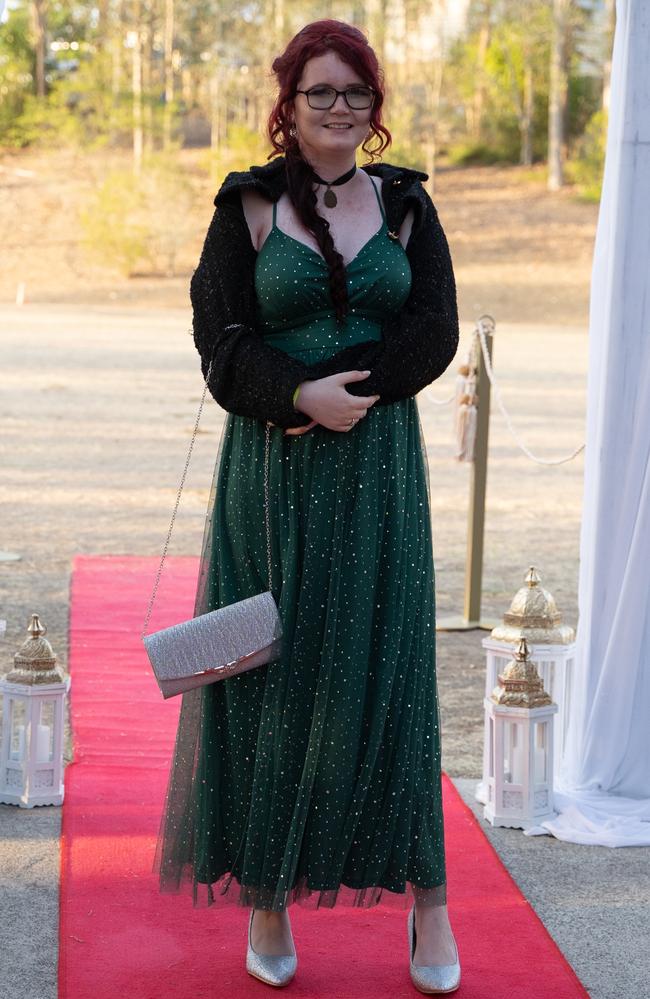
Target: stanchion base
{"x":458,"y":623}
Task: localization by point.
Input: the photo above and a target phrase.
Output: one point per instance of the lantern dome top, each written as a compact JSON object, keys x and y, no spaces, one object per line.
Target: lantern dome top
{"x":36,"y":646}
{"x":35,"y":661}
{"x":533,"y":615}
{"x":520,"y":685}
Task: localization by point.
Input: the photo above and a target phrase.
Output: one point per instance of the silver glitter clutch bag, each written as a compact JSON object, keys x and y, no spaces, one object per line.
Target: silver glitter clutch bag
{"x":222,"y":642}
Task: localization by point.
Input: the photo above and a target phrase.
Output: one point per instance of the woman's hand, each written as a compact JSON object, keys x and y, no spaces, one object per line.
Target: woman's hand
{"x":328,"y":403}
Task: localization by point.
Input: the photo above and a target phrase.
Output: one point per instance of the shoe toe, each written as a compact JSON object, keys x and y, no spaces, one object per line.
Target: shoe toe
{"x":271,"y":968}
{"x":438,"y":978}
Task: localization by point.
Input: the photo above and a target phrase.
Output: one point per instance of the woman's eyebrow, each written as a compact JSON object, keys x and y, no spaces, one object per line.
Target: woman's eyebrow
{"x":323,"y":84}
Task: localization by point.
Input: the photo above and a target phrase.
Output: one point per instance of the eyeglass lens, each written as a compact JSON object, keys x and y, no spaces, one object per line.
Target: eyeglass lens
{"x":320,"y":98}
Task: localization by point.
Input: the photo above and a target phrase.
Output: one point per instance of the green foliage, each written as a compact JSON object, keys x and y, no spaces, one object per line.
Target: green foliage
{"x":406,"y":126}
{"x":95,"y":117}
{"x":137,"y":223}
{"x":516,"y":51}
{"x":15,"y":69}
{"x":403,"y":151}
{"x":584,"y":100}
{"x":586,"y":168}
{"x":477,"y":154}
{"x":241,"y":148}
{"x":79,"y":111}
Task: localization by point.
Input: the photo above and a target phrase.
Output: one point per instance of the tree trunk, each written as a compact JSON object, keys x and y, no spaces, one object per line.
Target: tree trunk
{"x":610,"y":21}
{"x":278,"y":24}
{"x":147,"y":85}
{"x":169,"y":73}
{"x":116,"y":53}
{"x":375,"y":19}
{"x":478,"y":101}
{"x":136,"y":86}
{"x":558,"y":94}
{"x":39,"y":10}
{"x":526,"y":156}
{"x":434,"y":88}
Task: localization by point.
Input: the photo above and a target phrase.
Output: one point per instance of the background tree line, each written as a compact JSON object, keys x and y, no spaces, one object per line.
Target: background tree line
{"x":510,"y":81}
{"x":522,"y":81}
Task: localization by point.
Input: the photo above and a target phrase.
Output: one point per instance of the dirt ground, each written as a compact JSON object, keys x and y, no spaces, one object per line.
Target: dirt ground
{"x":101,"y":387}
{"x":519,"y":251}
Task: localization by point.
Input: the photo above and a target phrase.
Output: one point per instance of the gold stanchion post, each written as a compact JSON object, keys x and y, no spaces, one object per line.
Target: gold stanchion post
{"x":478,"y":483}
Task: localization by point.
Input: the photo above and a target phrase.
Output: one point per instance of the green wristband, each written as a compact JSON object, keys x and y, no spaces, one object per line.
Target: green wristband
{"x":295,"y":396}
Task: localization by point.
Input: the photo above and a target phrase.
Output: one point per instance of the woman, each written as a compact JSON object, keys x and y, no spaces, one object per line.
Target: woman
{"x":325,"y":299}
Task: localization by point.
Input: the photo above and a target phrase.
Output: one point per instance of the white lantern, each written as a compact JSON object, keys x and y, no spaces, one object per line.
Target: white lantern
{"x":33,"y":698}
{"x":519,"y":720}
{"x":533,"y":615}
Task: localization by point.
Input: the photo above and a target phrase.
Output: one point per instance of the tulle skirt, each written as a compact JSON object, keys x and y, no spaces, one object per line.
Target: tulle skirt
{"x":316,"y":778}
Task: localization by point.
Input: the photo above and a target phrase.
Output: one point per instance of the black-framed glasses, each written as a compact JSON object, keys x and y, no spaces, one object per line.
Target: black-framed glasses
{"x":321,"y":98}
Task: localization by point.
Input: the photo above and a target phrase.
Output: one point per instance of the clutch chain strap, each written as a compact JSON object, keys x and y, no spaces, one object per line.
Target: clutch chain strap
{"x":180,"y":490}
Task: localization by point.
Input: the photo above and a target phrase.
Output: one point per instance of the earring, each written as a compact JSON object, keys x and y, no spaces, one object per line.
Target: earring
{"x":292,"y":131}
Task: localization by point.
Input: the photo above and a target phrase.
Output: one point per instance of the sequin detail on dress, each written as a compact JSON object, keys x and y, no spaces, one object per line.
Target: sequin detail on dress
{"x":317,"y":778}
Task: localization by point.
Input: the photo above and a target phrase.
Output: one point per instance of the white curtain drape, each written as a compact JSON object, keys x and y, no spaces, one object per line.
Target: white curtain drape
{"x":604,"y":791}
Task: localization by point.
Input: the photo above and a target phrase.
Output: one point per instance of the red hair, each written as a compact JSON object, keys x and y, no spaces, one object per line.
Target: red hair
{"x":352,"y":46}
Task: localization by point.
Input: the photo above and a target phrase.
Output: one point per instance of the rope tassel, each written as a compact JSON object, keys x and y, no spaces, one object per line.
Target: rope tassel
{"x":465,"y":411}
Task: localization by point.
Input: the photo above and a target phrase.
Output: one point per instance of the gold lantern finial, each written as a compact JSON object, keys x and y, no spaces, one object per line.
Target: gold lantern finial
{"x":520,"y":685}
{"x":533,"y":615}
{"x":35,"y":661}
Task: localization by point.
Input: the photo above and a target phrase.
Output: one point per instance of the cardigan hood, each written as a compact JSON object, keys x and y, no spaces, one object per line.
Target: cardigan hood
{"x":401,"y":187}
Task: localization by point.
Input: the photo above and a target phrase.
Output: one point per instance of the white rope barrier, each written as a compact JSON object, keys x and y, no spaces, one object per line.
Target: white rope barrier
{"x":441,"y":402}
{"x":504,"y":412}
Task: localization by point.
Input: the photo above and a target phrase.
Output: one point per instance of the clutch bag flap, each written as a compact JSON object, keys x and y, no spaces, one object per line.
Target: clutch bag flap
{"x":218,"y":644}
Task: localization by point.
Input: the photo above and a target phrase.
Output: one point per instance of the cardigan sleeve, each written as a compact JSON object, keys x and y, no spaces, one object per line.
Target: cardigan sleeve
{"x":248,"y":377}
{"x":418,"y":345}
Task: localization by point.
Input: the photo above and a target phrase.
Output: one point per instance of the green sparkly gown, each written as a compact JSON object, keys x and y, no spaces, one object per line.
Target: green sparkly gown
{"x":316,"y":778}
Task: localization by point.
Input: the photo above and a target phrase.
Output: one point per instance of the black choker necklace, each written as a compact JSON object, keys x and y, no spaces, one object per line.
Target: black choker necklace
{"x":329,"y":198}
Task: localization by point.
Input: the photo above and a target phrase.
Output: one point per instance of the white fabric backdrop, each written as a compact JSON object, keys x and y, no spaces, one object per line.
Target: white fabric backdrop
{"x":604,"y":790}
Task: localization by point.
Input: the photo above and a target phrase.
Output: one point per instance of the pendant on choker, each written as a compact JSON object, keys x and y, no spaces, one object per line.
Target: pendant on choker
{"x":329,"y":198}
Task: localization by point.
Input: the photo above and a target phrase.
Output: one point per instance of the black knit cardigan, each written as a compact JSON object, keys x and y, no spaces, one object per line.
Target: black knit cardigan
{"x":250,"y":377}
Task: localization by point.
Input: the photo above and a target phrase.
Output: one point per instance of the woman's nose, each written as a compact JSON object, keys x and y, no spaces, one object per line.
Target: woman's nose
{"x":341,"y":98}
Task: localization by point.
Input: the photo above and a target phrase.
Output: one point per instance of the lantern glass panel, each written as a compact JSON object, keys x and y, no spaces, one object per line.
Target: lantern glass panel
{"x":491,"y":749}
{"x":17,"y":730}
{"x":45,"y":743}
{"x":541,"y":733}
{"x":512,"y":753}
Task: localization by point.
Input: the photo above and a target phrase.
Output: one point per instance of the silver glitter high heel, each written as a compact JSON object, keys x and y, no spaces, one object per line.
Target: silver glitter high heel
{"x":434,"y":977}
{"x":274,"y":969}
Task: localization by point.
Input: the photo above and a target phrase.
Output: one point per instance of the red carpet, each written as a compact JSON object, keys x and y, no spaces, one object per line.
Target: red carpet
{"x":121,"y":939}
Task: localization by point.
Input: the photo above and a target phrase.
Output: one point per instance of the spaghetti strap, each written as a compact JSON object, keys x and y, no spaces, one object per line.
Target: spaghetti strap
{"x":378,"y":196}
{"x":275,"y":205}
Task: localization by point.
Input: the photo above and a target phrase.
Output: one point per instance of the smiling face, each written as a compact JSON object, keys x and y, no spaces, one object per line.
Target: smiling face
{"x":335,"y":133}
